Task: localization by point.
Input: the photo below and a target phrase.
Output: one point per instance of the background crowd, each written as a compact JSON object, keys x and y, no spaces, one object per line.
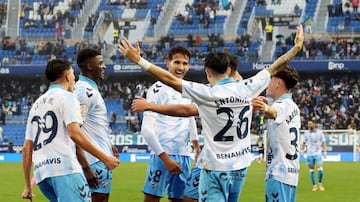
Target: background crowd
{"x":332,"y":100}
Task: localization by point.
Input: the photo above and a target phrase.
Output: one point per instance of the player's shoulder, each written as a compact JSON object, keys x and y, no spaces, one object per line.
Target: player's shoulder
{"x":157,"y":87}
{"x":79,"y":85}
{"x":84,"y":90}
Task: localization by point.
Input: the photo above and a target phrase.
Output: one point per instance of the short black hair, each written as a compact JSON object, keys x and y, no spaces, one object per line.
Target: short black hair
{"x":219,"y":62}
{"x":289,"y":75}
{"x":85,"y":55}
{"x":234,"y":61}
{"x":56,"y":68}
{"x":178,"y":49}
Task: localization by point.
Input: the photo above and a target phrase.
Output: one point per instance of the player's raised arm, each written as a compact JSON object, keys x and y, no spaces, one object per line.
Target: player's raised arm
{"x":133,"y":54}
{"x":285,"y":58}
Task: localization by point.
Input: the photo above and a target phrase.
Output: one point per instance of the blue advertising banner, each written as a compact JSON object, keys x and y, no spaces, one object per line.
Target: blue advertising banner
{"x":301,"y":66}
{"x":133,"y":148}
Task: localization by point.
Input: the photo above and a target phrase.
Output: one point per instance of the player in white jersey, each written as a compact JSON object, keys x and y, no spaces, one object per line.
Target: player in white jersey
{"x":96,"y":124}
{"x":52,"y":130}
{"x":314,"y":141}
{"x":283,"y":157}
{"x":225,"y":111}
{"x":191,"y":193}
{"x":168,"y":137}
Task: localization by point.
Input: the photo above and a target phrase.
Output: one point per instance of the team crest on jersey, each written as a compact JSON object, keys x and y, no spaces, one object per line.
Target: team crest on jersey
{"x":262,"y":75}
{"x":84,"y":109}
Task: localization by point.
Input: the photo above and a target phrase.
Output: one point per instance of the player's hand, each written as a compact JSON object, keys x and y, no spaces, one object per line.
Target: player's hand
{"x":27,"y":194}
{"x":173,"y":167}
{"x":139,"y":104}
{"x":324,"y":155}
{"x":130,"y":52}
{"x":111,"y":162}
{"x":258,"y":103}
{"x":196,"y":153}
{"x":264,"y":99}
{"x":91,"y":177}
{"x":299,"y":39}
{"x":115,"y":151}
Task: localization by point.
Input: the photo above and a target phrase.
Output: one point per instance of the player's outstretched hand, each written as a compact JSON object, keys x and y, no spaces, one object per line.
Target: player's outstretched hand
{"x":299,"y":39}
{"x":130,"y":52}
{"x":139,"y":104}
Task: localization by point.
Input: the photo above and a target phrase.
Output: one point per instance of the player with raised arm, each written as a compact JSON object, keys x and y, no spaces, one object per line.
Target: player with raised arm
{"x":52,"y":133}
{"x":314,"y":141}
{"x":96,"y":124}
{"x":283,"y":157}
{"x":191,"y":193}
{"x":225,"y":111}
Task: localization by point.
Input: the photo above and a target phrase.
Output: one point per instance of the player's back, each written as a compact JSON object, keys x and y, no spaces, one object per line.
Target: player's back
{"x":54,"y":151}
{"x":283,"y":141}
{"x":226,"y":114}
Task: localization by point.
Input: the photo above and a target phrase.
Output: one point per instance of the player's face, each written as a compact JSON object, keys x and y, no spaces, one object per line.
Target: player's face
{"x":311,"y":125}
{"x":178,"y":65}
{"x":273,"y":85}
{"x":98,"y":68}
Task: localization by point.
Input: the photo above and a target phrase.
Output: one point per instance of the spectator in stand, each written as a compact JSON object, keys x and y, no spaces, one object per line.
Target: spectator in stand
{"x":355,"y":5}
{"x":297,"y":9}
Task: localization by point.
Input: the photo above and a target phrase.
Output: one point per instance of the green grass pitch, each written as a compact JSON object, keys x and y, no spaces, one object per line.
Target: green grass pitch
{"x":341,"y":181}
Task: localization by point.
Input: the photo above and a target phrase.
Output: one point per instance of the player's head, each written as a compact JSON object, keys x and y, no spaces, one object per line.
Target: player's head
{"x":91,"y":63}
{"x":311,"y":125}
{"x":282,"y":81}
{"x":289,"y":75}
{"x":234,"y":63}
{"x":217,"y":64}
{"x":60,"y":71}
{"x":178,"y":61}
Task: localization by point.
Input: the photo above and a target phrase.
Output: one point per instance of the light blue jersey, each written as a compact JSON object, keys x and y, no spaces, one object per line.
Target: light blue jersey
{"x":94,"y":113}
{"x":314,"y":140}
{"x":54,"y":152}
